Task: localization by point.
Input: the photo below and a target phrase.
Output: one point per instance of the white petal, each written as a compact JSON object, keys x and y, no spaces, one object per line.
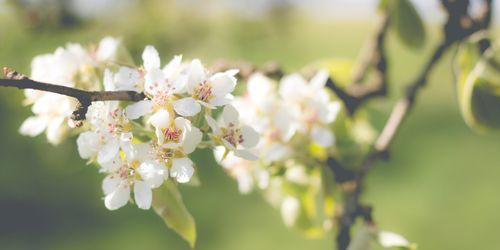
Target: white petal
{"x":110,"y":184}
{"x":160,"y":119}
{"x":213,"y":124}
{"x":172,"y":66}
{"x":143,"y":195}
{"x":150,"y":58}
{"x":187,"y":106}
{"x":153,"y":173}
{"x":322,"y":136}
{"x":33,"y":126}
{"x":118,"y":198}
{"x":230,"y":115}
{"x":250,"y":137}
{"x":221,"y":100}
{"x":290,"y":209}
{"x":138,"y":109}
{"x":126,"y":78}
{"x":330,"y":113}
{"x":154,"y":81}
{"x":88,"y":143}
{"x":291,"y":87}
{"x":107,"y":48}
{"x":390,"y":239}
{"x":259,"y":87}
{"x":222,"y":84}
{"x":109,"y":84}
{"x":108,"y":151}
{"x":55,"y":133}
{"x":196,"y":74}
{"x":245,"y":154}
{"x":193,"y":138}
{"x":319,"y":80}
{"x":182,"y":169}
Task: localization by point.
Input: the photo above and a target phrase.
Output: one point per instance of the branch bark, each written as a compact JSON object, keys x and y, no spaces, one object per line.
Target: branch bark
{"x":458,"y":27}
{"x":85,"y":98}
{"x":374,"y":56}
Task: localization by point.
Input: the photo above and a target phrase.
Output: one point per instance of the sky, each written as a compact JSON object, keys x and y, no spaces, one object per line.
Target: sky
{"x":321,"y":9}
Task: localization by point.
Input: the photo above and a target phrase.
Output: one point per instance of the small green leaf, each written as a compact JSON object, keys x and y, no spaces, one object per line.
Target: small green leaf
{"x":478,"y":89}
{"x":167,"y":203}
{"x":406,"y":22}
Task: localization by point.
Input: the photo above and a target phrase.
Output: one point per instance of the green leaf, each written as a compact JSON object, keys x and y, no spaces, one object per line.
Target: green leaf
{"x":167,"y":203}
{"x":406,"y":22}
{"x":478,"y":89}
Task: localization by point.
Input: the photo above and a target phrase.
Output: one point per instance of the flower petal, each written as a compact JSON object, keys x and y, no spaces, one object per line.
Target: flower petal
{"x":187,"y":106}
{"x":150,"y":58}
{"x":108,"y":151}
{"x":182,"y":169}
{"x":118,"y":198}
{"x":110,"y":184}
{"x":143,"y":195}
{"x":322,"y":136}
{"x":222,"y":84}
{"x":153,"y":173}
{"x":245,"y":154}
{"x":196,"y":74}
{"x":160,"y":119}
{"x":250,"y":137}
{"x":193,"y":138}
{"x":230,"y":115}
{"x":88,"y":143}
{"x":138,"y":109}
{"x":33,"y":126}
{"x":213,"y":124}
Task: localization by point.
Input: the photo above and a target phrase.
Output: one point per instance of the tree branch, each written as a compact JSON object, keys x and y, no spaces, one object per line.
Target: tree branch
{"x":374,"y":56}
{"x":85,"y":98}
{"x":458,"y":27}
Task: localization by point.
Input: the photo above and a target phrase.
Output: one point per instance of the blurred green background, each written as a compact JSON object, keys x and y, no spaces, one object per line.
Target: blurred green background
{"x":440,"y":188}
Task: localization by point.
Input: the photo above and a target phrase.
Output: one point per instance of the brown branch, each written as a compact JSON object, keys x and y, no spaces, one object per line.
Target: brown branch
{"x":14,"y":79}
{"x":374,"y":56}
{"x":458,"y":27}
{"x":270,"y":69}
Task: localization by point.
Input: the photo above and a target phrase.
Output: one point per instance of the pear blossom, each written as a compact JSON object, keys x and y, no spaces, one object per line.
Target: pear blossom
{"x":237,"y":138}
{"x":205,"y":89}
{"x":52,"y":111}
{"x":311,"y":105}
{"x":244,"y":171}
{"x":132,"y":171}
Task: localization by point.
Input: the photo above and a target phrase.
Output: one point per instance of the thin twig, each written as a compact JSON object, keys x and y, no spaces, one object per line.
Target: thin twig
{"x":14,"y":79}
{"x":374,"y":56}
{"x":458,"y":27}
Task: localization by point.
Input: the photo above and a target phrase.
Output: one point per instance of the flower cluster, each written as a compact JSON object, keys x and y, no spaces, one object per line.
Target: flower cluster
{"x":291,"y":117}
{"x":140,"y":145}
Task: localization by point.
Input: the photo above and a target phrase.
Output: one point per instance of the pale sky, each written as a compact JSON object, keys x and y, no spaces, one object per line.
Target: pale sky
{"x":323,"y":9}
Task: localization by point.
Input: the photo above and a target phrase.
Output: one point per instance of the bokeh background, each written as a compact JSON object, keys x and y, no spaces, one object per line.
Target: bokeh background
{"x":440,"y":188}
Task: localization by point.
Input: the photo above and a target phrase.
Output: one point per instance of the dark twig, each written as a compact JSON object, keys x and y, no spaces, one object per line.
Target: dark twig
{"x":14,"y":79}
{"x":357,"y":93}
{"x":458,"y":27}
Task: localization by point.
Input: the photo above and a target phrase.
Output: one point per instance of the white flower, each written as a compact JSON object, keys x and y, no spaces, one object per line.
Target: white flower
{"x":246,"y":173}
{"x":51,"y":111}
{"x":110,"y":132}
{"x":119,"y":181}
{"x":290,"y":210}
{"x":175,"y":132}
{"x":234,"y":137}
{"x":311,"y":105}
{"x":108,"y":49}
{"x":262,"y":108}
{"x":125,"y":79}
{"x":182,"y":169}
{"x":210,"y":91}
